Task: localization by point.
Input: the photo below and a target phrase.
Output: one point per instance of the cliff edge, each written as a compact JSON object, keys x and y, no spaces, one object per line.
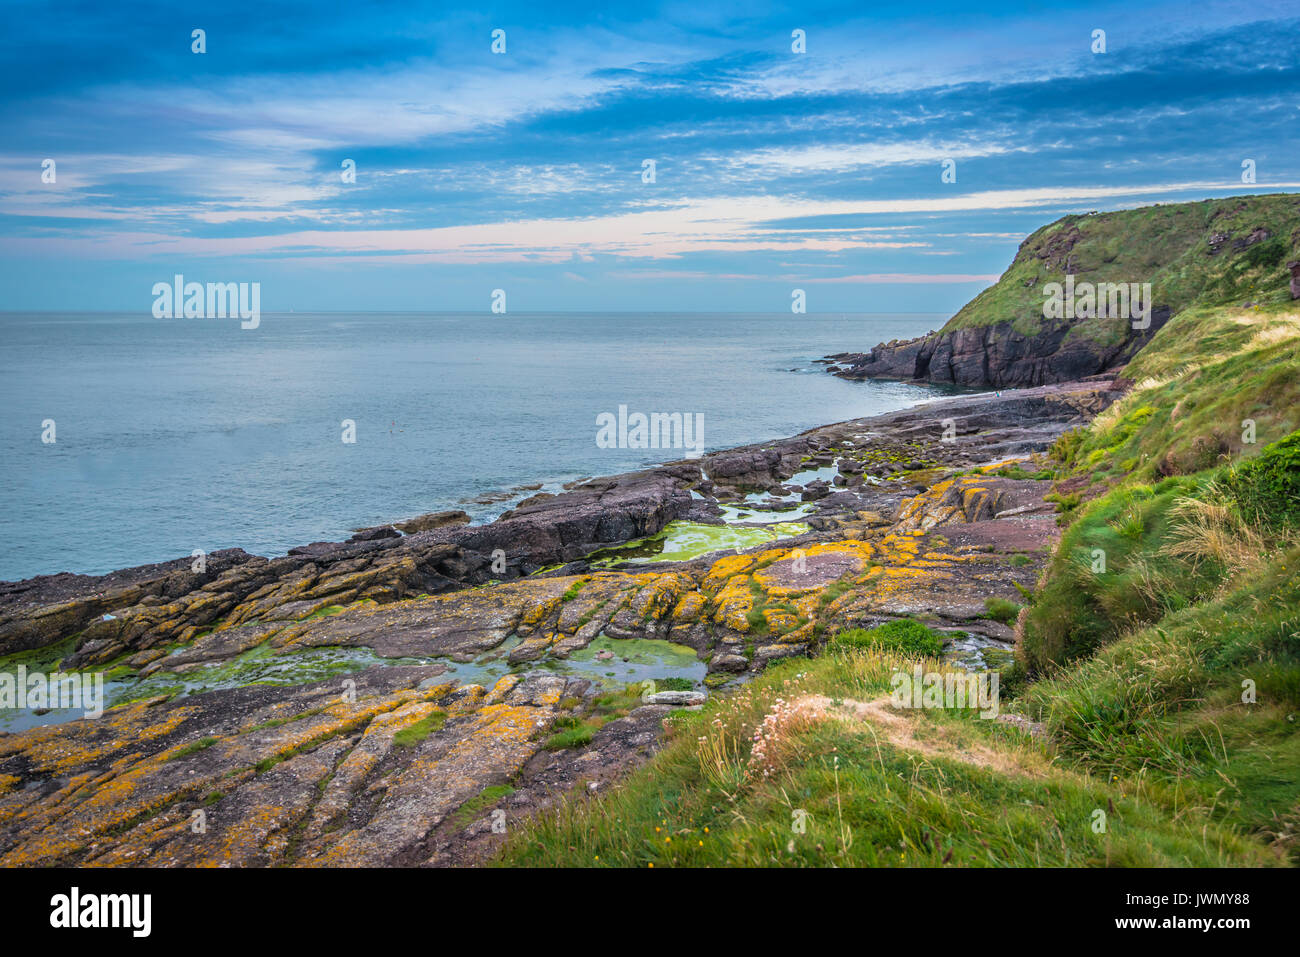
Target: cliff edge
{"x":1086,"y":292}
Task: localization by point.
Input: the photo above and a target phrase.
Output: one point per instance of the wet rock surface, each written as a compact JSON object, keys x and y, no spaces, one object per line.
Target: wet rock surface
{"x":403,"y":764}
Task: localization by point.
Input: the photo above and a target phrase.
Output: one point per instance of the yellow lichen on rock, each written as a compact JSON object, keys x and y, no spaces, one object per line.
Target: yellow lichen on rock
{"x":55,"y":748}
{"x":733,"y":603}
{"x":779,"y":621}
{"x":505,"y":684}
{"x":726,"y":568}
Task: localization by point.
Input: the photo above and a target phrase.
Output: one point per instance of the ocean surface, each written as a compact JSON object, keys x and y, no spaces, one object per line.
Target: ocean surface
{"x":178,"y":434}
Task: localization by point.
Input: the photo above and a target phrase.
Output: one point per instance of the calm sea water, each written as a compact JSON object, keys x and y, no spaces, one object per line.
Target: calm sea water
{"x":173,"y":435}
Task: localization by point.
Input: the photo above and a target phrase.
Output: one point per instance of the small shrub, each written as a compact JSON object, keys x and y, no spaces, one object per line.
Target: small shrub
{"x":1265,"y":255}
{"x":674,"y":684}
{"x":1067,"y":444}
{"x":904,"y":635}
{"x":578,"y":737}
{"x":1130,"y":524}
{"x":1000,"y":609}
{"x":1064,"y":503}
{"x":1267,"y":488}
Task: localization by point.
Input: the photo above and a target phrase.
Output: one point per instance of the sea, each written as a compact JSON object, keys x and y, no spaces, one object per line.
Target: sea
{"x":127,"y":439}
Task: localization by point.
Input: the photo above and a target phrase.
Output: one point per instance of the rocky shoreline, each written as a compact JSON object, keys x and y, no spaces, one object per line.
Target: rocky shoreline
{"x":916,"y":512}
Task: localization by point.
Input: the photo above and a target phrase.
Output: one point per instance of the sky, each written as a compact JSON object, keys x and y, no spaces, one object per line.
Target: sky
{"x":526,"y":170}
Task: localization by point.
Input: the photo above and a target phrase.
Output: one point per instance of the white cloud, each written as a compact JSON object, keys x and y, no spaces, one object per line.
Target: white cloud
{"x":849,"y":156}
{"x":718,"y":224}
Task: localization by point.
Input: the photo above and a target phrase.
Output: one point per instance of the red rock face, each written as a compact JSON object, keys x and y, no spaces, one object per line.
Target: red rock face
{"x":1295,"y":278}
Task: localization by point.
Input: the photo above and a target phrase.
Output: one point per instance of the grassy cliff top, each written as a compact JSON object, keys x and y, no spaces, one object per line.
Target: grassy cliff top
{"x":1213,"y":252}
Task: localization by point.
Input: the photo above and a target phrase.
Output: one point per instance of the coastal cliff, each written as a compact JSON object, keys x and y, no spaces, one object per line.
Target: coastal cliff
{"x":668,"y":667}
{"x":1216,"y":252}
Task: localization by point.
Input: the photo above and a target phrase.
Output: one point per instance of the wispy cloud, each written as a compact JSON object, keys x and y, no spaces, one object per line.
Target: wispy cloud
{"x":525,"y":164}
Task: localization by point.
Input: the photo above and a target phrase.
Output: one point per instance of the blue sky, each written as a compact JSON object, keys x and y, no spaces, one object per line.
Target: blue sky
{"x":523,"y":170}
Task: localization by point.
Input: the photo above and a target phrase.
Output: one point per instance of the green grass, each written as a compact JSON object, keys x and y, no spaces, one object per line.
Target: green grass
{"x":903,"y":635}
{"x":1267,"y":488}
{"x":280,"y":722}
{"x":1202,"y":380}
{"x":413,"y":734}
{"x":576,"y":731}
{"x":861,"y":800}
{"x":1165,"y":704}
{"x":1166,"y":245}
{"x":467,"y":812}
{"x":571,"y":592}
{"x":1000,"y":609}
{"x":575,"y":737}
{"x":1178,"y":437}
{"x":831,"y":592}
{"x":1104,"y":579}
{"x":194,"y":747}
{"x":323,"y":612}
{"x":674,"y":684}
{"x":1019,"y":472}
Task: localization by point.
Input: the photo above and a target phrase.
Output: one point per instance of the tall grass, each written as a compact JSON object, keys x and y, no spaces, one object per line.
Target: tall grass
{"x":843,"y":793}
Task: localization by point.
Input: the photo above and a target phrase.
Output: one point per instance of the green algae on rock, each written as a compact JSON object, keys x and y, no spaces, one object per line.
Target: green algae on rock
{"x":681,"y":541}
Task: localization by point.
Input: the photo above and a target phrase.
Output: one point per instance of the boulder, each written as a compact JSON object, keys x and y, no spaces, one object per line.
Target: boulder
{"x":677,"y":699}
{"x":374,"y":534}
{"x":431,"y":520}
